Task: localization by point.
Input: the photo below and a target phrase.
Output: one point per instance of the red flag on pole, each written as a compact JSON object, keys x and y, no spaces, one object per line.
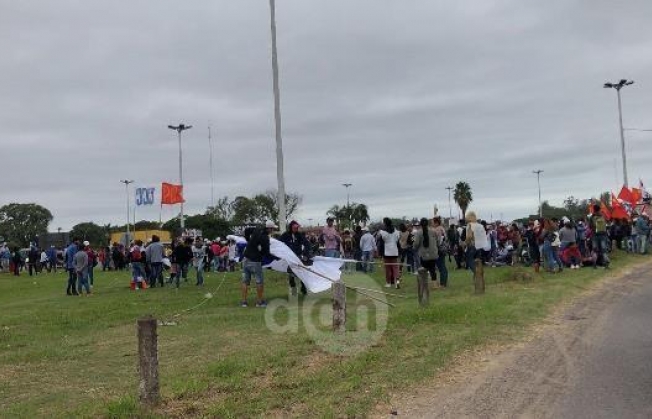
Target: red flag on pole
{"x":617,"y":210}
{"x":605,"y":211}
{"x":626,"y":195}
{"x":171,"y":194}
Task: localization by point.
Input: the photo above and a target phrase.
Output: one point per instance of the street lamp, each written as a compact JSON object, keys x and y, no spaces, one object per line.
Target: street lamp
{"x":179,"y":129}
{"x":450,"y":208}
{"x":347,"y":186}
{"x":622,"y":83}
{"x":127,"y":182}
{"x":538,"y":173}
{"x":280,"y":178}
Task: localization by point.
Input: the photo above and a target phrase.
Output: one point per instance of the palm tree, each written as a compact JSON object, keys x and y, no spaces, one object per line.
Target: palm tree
{"x":463,"y":196}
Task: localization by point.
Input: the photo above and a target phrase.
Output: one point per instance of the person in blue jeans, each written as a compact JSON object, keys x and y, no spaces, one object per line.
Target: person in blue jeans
{"x":137,"y":256}
{"x":198,"y":255}
{"x":442,"y":242}
{"x":69,"y":256}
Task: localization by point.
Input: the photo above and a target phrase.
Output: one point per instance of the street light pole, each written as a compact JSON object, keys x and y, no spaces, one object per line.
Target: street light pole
{"x":622,"y":83}
{"x":347,"y":186}
{"x":127,"y":182}
{"x":538,"y":173}
{"x":210,"y":147}
{"x":450,"y":208}
{"x":179,"y":129}
{"x":280,"y":178}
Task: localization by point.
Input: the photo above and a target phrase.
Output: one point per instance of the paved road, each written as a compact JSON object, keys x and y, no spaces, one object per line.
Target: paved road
{"x":614,"y":379}
{"x":593,"y":360}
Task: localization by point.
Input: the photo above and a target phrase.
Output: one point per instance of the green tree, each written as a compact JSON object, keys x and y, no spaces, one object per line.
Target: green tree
{"x":349,"y":215}
{"x":22,"y":223}
{"x":95,"y":234}
{"x":223,"y":209}
{"x":463,"y":196}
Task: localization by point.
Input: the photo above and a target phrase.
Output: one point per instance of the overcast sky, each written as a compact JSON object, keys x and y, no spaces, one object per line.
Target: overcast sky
{"x":400,"y":98}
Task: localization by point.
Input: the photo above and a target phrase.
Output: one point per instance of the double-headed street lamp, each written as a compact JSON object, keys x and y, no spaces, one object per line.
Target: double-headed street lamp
{"x":127,"y":183}
{"x":179,"y":129}
{"x":622,"y":83}
{"x":450,"y":208}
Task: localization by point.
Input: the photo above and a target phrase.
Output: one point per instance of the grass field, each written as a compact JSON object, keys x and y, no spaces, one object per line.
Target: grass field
{"x":65,"y":356}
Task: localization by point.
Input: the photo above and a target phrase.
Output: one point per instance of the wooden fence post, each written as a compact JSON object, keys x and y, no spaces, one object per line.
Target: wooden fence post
{"x":478,"y":276}
{"x":339,"y":307}
{"x":422,"y":287}
{"x":148,"y":361}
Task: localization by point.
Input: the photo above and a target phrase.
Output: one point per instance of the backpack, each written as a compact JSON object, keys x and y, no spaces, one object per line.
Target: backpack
{"x":600,"y":224}
{"x":136,"y":254}
{"x":347,"y":244}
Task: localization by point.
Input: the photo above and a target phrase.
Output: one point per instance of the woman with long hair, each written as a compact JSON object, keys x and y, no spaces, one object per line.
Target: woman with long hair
{"x":390,"y":237}
{"x":442,"y":245}
{"x":425,"y":245}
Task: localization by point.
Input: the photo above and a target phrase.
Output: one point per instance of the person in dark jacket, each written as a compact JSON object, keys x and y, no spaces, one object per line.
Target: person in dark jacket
{"x":182,"y":255}
{"x":257,"y":249}
{"x":301,"y":247}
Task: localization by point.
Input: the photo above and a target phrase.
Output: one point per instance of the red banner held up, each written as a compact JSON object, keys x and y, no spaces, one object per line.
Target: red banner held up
{"x":171,"y":194}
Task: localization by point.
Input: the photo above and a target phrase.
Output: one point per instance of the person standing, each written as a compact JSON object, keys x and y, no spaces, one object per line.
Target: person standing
{"x":81,"y":270}
{"x":257,"y":249}
{"x":425,"y":245}
{"x":405,"y":242}
{"x":643,"y":230}
{"x":331,"y":239}
{"x":52,"y":259}
{"x":300,"y":246}
{"x":198,"y":255}
{"x":33,"y":257}
{"x":442,"y":247}
{"x":475,"y":240}
{"x":69,"y":255}
{"x":367,"y":249}
{"x":92,"y":261}
{"x":137,"y":259}
{"x":17,"y":261}
{"x":390,"y":237}
{"x":154,"y":255}
{"x":599,"y":228}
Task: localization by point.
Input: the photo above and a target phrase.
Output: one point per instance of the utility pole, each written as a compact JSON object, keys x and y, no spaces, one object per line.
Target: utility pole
{"x":450,"y":208}
{"x":127,"y":183}
{"x":210,"y":147}
{"x":538,"y":173}
{"x":280,"y":177}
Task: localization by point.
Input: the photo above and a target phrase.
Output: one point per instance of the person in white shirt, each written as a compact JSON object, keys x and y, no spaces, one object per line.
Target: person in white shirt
{"x":476,"y":240}
{"x":367,"y":249}
{"x":390,"y":237}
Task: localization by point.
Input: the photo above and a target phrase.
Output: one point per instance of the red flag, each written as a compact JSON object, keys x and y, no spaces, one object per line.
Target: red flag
{"x":637,"y":194}
{"x":605,"y":211}
{"x":171,"y":194}
{"x":626,"y":195}
{"x":617,"y":210}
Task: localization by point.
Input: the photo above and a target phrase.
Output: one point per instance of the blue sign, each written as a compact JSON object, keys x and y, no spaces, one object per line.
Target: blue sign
{"x":145,"y":196}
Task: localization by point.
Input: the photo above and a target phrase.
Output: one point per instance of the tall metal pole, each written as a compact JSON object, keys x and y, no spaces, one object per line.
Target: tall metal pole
{"x":179,"y":129}
{"x":282,"y":213}
{"x":622,"y":139}
{"x":538,"y":173}
{"x":348,"y":200}
{"x":622,"y":83}
{"x":450,"y":208}
{"x":127,"y":182}
{"x":210,"y":146}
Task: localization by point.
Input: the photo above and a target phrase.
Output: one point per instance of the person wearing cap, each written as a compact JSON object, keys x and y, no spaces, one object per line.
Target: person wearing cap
{"x":367,"y":249}
{"x":252,"y":266}
{"x":297,"y":242}
{"x":331,"y":239}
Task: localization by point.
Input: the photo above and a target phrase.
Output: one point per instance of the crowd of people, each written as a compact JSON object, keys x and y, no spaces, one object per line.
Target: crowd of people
{"x":554,"y":244}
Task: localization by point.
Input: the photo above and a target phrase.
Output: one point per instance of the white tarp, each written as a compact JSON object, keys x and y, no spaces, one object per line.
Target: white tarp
{"x":328,"y":267}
